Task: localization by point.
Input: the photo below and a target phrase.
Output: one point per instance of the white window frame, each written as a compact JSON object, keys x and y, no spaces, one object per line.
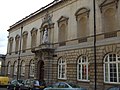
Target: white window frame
{"x":23,"y":68}
{"x":32,"y":66}
{"x":79,"y":68}
{"x":61,"y":64}
{"x":108,"y":66}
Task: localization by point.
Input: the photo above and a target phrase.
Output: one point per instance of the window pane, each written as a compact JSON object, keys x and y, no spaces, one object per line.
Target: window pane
{"x":79,"y":70}
{"x":63,"y":71}
{"x":84,"y":72}
{"x":119,"y":71}
{"x":106,"y":72}
{"x":118,"y":58}
{"x":106,"y":59}
{"x":113,"y":73}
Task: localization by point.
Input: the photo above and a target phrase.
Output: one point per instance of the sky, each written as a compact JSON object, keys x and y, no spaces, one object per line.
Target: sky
{"x":12,"y":11}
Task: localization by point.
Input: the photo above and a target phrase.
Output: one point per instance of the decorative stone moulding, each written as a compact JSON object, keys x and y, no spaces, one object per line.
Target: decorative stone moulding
{"x":108,"y":3}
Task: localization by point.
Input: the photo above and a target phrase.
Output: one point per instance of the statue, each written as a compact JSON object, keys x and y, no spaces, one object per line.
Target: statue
{"x":45,"y":36}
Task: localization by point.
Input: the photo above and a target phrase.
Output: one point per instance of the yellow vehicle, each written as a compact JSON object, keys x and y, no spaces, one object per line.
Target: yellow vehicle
{"x":4,"y":81}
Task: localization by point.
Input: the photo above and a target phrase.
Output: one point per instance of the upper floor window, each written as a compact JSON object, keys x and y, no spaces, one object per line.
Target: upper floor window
{"x":17,"y":38}
{"x":109,"y":20}
{"x":15,"y":67}
{"x":112,"y":68}
{"x":24,"y":36}
{"x":10,"y":44}
{"x":61,"y":68}
{"x":22,"y":70}
{"x":62,"y":33}
{"x":82,"y":16}
{"x":83,"y":68}
{"x":32,"y":68}
{"x":33,"y":37}
{"x":109,"y":17}
{"x":8,"y":68}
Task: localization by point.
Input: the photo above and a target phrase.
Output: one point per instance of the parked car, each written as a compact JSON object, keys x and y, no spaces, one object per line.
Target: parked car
{"x":114,"y":88}
{"x":26,"y":85}
{"x":30,"y":84}
{"x":64,"y":86}
{"x":15,"y":85}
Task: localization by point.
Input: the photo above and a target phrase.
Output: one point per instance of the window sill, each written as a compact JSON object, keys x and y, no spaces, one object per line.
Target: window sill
{"x":31,"y":75}
{"x":112,"y":83}
{"x":62,"y":78}
{"x":83,"y":80}
{"x":22,"y":75}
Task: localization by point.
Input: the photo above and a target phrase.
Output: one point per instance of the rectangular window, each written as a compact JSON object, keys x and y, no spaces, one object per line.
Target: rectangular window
{"x":113,"y":73}
{"x":84,"y":72}
{"x":79,"y":71}
{"x":106,"y":72}
{"x":119,"y":71}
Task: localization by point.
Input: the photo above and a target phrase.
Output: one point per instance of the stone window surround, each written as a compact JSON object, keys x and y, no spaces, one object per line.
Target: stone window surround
{"x":63,"y":20}
{"x":24,"y":35}
{"x":17,"y":38}
{"x":11,"y":39}
{"x":33,"y":37}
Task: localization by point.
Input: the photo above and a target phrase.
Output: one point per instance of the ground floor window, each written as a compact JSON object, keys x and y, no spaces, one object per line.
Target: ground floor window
{"x":82,"y":68}
{"x":61,"y":68}
{"x":112,"y":68}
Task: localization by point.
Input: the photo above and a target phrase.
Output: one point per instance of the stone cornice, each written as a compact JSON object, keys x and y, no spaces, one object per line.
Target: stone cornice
{"x":35,"y":13}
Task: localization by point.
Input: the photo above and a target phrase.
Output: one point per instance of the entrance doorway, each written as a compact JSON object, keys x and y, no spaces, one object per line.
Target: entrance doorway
{"x":41,"y":70}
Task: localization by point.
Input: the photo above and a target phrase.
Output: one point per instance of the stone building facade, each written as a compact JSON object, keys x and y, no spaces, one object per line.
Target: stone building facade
{"x":56,"y":43}
{"x":2,"y":64}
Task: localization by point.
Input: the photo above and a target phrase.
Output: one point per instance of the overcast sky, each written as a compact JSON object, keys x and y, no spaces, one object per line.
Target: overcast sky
{"x":12,"y":11}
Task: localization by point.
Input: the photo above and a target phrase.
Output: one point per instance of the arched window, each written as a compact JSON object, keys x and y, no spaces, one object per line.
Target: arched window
{"x":22,"y":70}
{"x":8,"y":68}
{"x":112,"y":68}
{"x":109,"y":17}
{"x":15,"y":67}
{"x":24,"y":36}
{"x":61,"y":68}
{"x":33,"y":37}
{"x":62,"y":33}
{"x":109,"y":20}
{"x":83,"y":68}
{"x":82,"y":16}
{"x":82,"y":27}
{"x":31,"y":68}
{"x":10,"y":45}
{"x":17,"y":38}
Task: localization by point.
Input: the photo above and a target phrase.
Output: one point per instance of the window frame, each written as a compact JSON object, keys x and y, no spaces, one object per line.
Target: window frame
{"x":107,"y":57}
{"x":31,"y":68}
{"x":15,"y":68}
{"x":79,"y":66}
{"x":60,"y":67}
{"x":8,"y":68}
{"x":22,"y":69}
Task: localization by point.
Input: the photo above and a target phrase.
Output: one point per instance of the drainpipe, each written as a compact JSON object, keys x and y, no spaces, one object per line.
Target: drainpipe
{"x":95,"y":71}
